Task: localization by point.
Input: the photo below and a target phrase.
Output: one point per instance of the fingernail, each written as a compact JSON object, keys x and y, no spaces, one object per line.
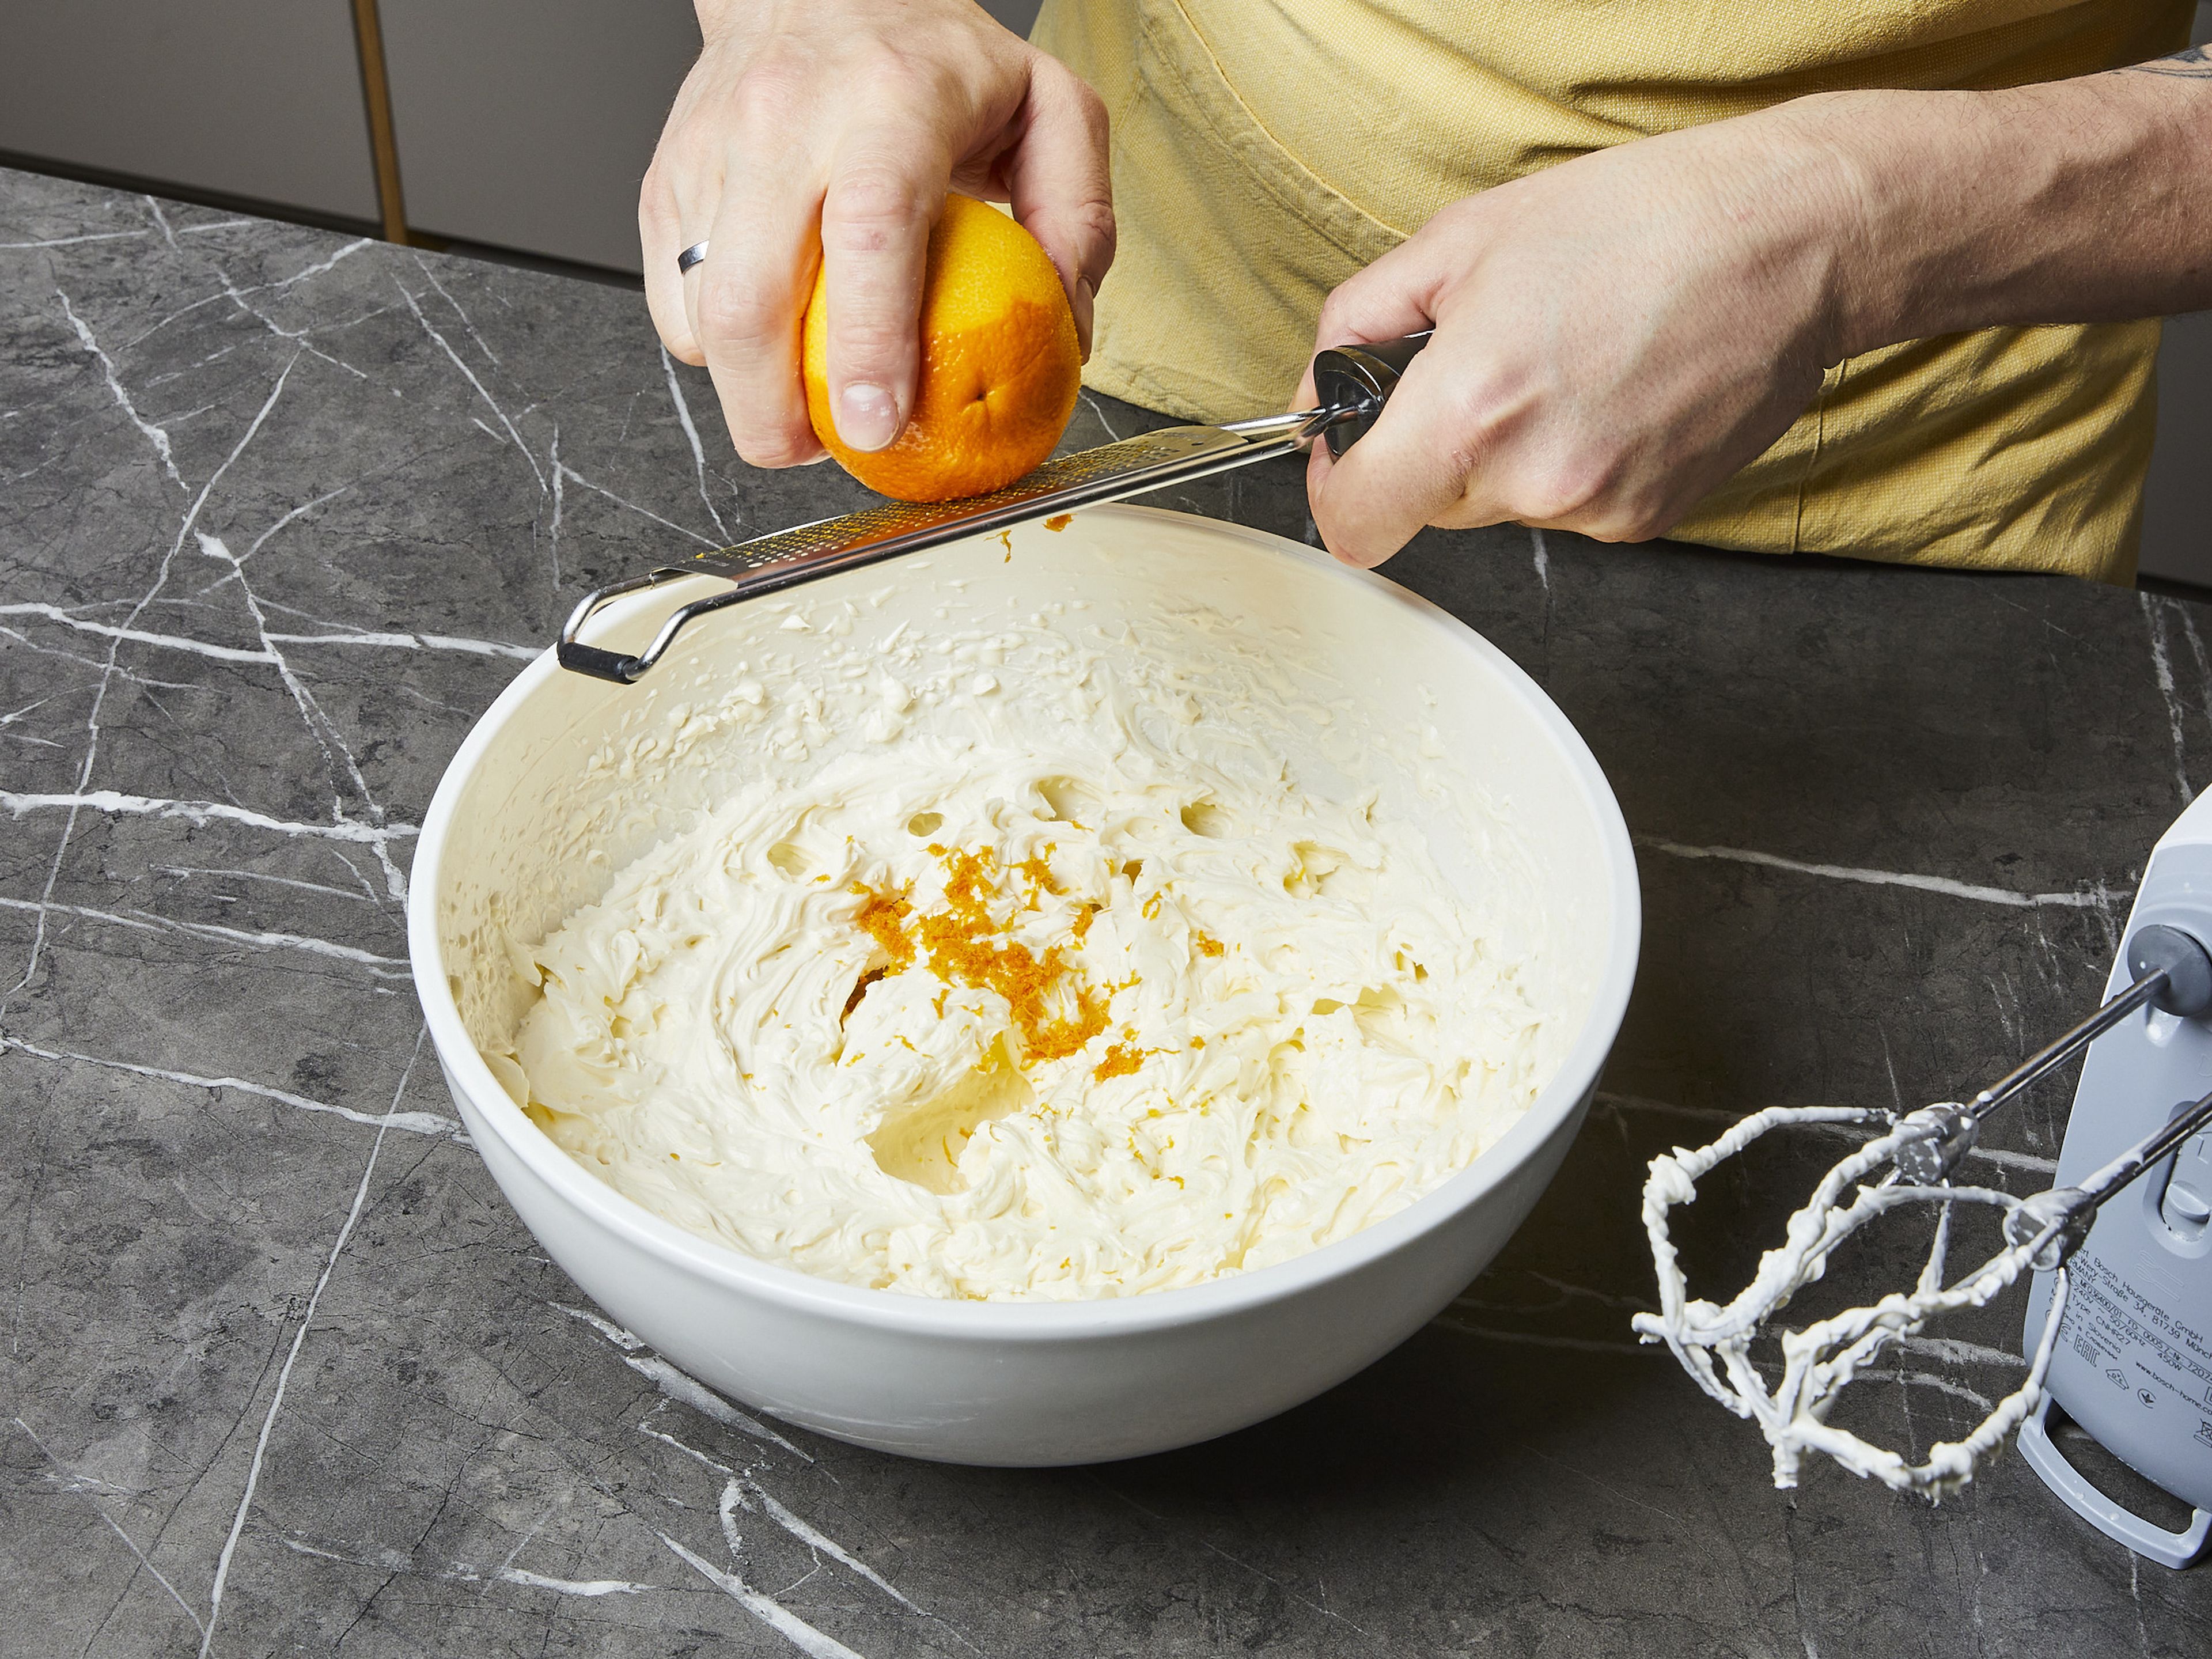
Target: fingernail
{"x":867,"y":419}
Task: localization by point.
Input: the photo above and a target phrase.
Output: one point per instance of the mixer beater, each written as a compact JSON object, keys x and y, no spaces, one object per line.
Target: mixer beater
{"x":1912,"y":1160}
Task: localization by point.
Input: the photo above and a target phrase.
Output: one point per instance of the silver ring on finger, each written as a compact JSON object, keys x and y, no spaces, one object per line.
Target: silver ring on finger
{"x":690,"y":256}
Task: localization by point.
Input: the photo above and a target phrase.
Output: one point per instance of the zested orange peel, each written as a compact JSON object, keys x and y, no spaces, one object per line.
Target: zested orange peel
{"x":1000,"y":364}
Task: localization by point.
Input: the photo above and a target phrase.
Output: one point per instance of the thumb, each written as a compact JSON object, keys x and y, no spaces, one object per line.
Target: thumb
{"x":1058,"y":184}
{"x":1375,"y":497}
{"x":1371,"y":500}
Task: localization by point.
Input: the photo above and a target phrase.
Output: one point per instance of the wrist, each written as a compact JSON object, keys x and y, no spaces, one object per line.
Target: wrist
{"x":1865,"y":174}
{"x":1961,"y":211}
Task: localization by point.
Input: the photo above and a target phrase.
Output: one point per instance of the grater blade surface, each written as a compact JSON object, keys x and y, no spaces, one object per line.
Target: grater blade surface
{"x":893,"y":527}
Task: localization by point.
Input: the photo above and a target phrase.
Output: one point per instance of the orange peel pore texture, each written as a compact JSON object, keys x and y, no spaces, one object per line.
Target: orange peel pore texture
{"x":1001,"y":365}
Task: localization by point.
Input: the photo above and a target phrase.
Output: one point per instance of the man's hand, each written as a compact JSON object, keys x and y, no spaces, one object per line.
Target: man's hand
{"x":1615,"y":336}
{"x":832,"y":128}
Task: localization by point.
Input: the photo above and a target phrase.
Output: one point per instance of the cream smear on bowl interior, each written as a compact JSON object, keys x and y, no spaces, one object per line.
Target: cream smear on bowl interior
{"x":1045,"y":974}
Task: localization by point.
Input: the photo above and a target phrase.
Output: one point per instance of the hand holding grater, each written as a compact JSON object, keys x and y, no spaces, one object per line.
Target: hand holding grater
{"x":1352,"y":381}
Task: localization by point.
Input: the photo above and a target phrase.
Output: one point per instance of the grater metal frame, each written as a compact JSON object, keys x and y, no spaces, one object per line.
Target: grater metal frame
{"x":1354,"y":382}
{"x":786,"y":558}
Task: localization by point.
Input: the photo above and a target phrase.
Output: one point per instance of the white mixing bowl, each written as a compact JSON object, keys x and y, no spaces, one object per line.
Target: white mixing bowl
{"x":531,"y":821}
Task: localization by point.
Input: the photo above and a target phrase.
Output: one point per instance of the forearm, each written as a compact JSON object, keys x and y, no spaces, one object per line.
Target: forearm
{"x":2077,"y":201}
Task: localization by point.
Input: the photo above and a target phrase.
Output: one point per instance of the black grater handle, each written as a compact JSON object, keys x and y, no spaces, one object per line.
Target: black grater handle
{"x":1360,"y":379}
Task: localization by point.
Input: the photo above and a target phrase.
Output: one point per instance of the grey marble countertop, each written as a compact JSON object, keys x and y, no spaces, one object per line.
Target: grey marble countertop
{"x":280,"y":514}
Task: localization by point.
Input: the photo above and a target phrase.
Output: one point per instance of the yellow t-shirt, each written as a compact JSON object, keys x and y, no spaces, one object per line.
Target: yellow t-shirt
{"x":1264,"y":150}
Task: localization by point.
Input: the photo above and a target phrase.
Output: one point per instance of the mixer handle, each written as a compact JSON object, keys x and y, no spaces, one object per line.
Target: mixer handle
{"x":2122,"y":1525}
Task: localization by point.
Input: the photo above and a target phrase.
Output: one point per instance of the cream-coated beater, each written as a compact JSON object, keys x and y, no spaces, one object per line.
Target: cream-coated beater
{"x":2120,"y":1251}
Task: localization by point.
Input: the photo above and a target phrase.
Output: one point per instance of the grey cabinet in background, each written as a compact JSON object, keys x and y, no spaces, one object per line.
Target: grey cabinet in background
{"x":2177,"y":539}
{"x":527,"y":124}
{"x":253,"y":99}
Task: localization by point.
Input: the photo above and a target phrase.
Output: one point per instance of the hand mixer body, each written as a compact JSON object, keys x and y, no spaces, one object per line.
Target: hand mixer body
{"x":2133,"y":1365}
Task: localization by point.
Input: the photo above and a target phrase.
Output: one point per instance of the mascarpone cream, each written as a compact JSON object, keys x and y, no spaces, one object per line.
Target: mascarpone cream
{"x":1052,"y":984}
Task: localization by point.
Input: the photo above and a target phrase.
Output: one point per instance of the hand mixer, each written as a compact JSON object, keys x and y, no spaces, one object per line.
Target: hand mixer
{"x":1352,"y":381}
{"x":2119,"y":1323}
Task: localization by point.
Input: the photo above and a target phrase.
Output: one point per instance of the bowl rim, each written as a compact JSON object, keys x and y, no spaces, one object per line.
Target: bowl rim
{"x":796,"y":1291}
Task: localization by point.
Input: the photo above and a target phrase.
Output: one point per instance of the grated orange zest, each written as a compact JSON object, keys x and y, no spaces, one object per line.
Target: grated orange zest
{"x":964,"y":944}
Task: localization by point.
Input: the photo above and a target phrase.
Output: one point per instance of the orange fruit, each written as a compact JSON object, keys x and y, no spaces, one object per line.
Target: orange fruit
{"x":1000,"y":364}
